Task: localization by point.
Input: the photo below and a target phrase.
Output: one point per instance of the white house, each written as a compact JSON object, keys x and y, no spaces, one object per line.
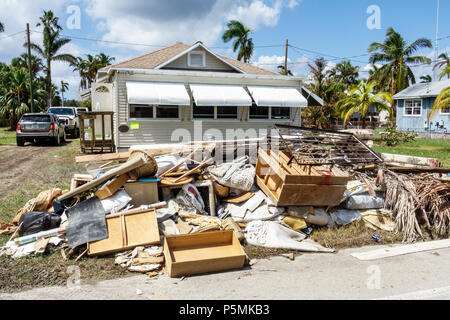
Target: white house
{"x":184,"y":92}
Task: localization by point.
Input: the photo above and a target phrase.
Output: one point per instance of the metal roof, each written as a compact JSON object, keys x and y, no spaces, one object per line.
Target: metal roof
{"x":423,"y":90}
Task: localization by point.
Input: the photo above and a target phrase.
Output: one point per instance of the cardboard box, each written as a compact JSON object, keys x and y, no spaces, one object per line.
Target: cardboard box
{"x":203,"y":252}
{"x":127,"y":231}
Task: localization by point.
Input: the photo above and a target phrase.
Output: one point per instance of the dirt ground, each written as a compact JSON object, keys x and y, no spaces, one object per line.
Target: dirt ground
{"x":18,"y":164}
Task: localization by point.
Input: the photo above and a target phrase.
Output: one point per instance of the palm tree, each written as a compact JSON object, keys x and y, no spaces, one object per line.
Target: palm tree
{"x":236,"y":30}
{"x":283,"y":72}
{"x":319,"y":75}
{"x":2,"y":27}
{"x":445,"y":64}
{"x":22,"y":61}
{"x":360,"y":98}
{"x":88,"y":68}
{"x":52,"y":44}
{"x":442,"y":102}
{"x":64,"y":88}
{"x":397,"y":54}
{"x":426,"y":79}
{"x":445,"y":72}
{"x":104,"y":60}
{"x":345,"y":73}
{"x":13,"y":102}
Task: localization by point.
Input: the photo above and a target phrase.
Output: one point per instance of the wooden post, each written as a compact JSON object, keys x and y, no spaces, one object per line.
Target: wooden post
{"x":286,"y":59}
{"x":29,"y":67}
{"x":103,"y":131}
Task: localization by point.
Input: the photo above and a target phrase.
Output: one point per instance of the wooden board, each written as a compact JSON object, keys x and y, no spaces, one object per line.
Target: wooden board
{"x":127,"y":232}
{"x":111,"y":187}
{"x":203,"y":252}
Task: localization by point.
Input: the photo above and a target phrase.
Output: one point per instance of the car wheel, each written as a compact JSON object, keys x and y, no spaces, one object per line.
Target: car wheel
{"x":20,"y":142}
{"x":57,"y":140}
{"x":64,"y":136}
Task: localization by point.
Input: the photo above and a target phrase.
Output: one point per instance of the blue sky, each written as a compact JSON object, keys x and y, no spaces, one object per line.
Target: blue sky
{"x":335,"y":28}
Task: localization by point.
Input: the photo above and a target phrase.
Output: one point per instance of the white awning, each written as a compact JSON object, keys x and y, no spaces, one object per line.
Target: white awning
{"x":161,"y":93}
{"x":220,"y":95}
{"x":266,"y":96}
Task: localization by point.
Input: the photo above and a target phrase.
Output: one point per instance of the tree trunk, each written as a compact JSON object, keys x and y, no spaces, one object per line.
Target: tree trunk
{"x":49,"y":84}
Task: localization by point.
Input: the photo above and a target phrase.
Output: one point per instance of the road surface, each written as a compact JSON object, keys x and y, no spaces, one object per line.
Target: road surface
{"x":424,"y":275}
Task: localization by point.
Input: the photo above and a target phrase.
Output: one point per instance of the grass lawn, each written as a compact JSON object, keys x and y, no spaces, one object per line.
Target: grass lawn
{"x":429,"y":148}
{"x":7,"y":137}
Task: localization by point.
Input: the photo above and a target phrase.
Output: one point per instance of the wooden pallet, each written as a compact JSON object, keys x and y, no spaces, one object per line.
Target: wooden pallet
{"x":295,"y":185}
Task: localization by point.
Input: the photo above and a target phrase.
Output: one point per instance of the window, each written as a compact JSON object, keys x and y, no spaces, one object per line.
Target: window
{"x":138,"y":111}
{"x":258,"y":112}
{"x":413,"y":107}
{"x":167,"y":112}
{"x":446,"y":109}
{"x":272,"y":113}
{"x":196,"y":59}
{"x":226,"y":113}
{"x":203,"y":112}
{"x":281,"y":113}
{"x":214,"y":113}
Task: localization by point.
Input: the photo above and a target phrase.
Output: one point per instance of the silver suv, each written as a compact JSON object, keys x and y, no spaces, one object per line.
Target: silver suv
{"x":70,"y":117}
{"x":40,"y":126}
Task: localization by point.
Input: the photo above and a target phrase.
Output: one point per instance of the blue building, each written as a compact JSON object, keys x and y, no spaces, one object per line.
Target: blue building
{"x":414,"y":105}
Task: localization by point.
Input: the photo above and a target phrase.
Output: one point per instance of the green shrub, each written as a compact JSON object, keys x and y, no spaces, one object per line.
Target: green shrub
{"x":392,"y":137}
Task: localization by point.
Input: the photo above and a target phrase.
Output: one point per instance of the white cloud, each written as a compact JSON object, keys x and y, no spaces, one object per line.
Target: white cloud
{"x":257,"y":14}
{"x":292,"y":4}
{"x":298,"y":67}
{"x":163,"y":23}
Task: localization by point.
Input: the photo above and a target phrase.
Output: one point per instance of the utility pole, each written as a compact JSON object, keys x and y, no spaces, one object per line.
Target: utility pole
{"x":286,"y":59}
{"x":436,"y":54}
{"x":29,"y":67}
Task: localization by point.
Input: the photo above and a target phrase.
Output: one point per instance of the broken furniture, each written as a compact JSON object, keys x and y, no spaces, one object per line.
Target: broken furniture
{"x":127,"y":230}
{"x":98,"y":136}
{"x":290,"y":184}
{"x":203,"y":252}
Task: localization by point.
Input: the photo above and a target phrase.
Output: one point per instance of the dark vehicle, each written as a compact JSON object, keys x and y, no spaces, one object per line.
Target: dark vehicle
{"x":70,"y":117}
{"x":38,"y":127}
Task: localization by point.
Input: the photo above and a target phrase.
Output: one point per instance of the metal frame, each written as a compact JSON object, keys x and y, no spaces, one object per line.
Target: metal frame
{"x":318,"y":147}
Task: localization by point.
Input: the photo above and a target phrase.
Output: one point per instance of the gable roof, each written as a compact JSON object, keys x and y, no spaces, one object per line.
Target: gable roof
{"x":423,"y":90}
{"x":159,"y":58}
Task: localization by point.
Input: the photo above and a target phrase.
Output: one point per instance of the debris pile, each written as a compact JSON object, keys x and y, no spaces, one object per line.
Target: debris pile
{"x":179,"y":208}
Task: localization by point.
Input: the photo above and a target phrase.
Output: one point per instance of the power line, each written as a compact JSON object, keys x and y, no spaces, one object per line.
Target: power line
{"x":146,"y":45}
{"x":11,"y":35}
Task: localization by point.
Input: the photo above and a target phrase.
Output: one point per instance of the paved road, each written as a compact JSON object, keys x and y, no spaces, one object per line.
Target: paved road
{"x":424,"y":275}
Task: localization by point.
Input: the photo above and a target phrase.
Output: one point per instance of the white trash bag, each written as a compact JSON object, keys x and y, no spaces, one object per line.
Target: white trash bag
{"x":271,"y":234}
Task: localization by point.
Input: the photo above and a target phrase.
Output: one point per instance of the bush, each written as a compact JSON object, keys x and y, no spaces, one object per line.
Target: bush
{"x":393,"y":137}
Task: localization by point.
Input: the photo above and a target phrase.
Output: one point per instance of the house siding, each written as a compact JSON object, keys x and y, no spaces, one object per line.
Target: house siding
{"x":420,"y":123}
{"x":167,"y":131}
{"x":211,"y":62}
